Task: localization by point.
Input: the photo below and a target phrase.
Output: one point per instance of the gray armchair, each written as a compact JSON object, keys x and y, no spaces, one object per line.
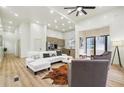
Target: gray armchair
{"x":105,"y":55}
{"x":88,"y":73}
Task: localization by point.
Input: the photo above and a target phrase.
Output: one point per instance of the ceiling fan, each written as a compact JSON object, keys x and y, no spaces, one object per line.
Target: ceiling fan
{"x":79,"y":9}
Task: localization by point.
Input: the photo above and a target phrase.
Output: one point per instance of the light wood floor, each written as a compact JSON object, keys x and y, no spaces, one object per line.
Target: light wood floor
{"x":13,"y":66}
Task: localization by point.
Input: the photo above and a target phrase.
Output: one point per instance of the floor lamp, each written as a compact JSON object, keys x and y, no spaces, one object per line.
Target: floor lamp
{"x":117,"y":44}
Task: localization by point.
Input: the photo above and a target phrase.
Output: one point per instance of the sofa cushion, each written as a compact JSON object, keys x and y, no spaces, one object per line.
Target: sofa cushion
{"x":39,"y":64}
{"x":52,"y":53}
{"x":59,"y":53}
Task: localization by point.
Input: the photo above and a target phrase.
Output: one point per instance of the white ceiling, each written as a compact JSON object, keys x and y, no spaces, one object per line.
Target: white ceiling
{"x":43,"y":15}
{"x":90,"y":12}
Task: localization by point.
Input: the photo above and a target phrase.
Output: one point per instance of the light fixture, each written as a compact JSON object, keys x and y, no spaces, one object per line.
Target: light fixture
{"x":79,"y":8}
{"x":49,"y":24}
{"x":62,"y":17}
{"x":15,"y":14}
{"x":104,"y":16}
{"x":37,"y":22}
{"x":63,"y":24}
{"x":0,"y":25}
{"x":51,"y":11}
{"x":55,"y":21}
{"x":10,"y":22}
{"x":80,"y":14}
{"x":69,"y":22}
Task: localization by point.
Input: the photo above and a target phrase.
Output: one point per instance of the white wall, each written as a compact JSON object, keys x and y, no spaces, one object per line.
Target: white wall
{"x":10,"y":41}
{"x":29,"y":34}
{"x":56,"y":34}
{"x":69,"y":37}
{"x":1,"y":47}
{"x":114,"y":19}
{"x":38,"y":33}
{"x":24,"y":30}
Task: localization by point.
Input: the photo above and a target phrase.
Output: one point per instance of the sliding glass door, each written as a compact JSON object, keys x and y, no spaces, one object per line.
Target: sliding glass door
{"x":97,"y":45}
{"x":100,"y":45}
{"x":90,"y":46}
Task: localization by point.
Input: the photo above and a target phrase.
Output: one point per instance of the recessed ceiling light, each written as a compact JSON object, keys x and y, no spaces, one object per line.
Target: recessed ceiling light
{"x":62,"y":17}
{"x":69,"y":21}
{"x":56,"y":27}
{"x":15,"y":14}
{"x":51,"y":11}
{"x":10,"y":22}
{"x":37,"y":22}
{"x":104,"y":16}
{"x":63,"y":24}
{"x":49,"y":24}
{"x":0,"y":25}
{"x":55,"y":21}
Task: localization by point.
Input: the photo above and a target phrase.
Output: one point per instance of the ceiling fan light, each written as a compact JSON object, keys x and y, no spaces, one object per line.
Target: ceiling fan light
{"x":79,"y":8}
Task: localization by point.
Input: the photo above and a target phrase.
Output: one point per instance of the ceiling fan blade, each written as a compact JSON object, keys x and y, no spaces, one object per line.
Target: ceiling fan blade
{"x":69,"y":7}
{"x":84,"y":11}
{"x":88,"y":7}
{"x":71,"y":12}
{"x":77,"y":13}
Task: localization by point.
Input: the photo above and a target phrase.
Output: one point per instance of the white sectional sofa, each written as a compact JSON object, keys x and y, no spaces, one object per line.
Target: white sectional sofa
{"x":37,"y":61}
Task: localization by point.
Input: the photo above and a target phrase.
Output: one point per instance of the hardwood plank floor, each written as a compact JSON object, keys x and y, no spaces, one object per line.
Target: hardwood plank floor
{"x":12,"y":66}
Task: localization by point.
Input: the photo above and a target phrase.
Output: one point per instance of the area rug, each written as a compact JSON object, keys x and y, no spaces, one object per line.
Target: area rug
{"x":58,"y":75}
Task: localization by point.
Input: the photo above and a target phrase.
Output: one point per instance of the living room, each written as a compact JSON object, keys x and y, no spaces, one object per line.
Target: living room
{"x":34,"y":49}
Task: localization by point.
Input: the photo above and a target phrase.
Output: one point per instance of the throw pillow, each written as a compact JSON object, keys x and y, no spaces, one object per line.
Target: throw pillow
{"x":59,"y":53}
{"x":45,"y":55}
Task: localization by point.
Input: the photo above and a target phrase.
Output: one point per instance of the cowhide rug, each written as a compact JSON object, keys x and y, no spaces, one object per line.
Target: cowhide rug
{"x":58,"y":75}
